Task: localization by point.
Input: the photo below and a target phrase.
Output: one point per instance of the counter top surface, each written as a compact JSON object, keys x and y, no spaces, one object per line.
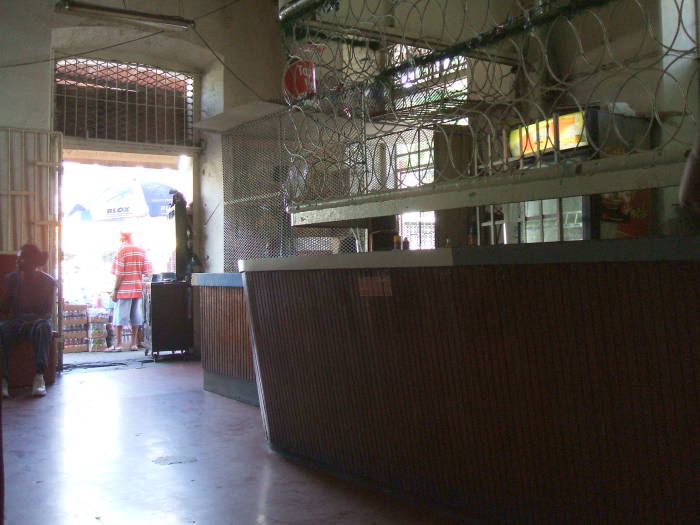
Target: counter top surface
{"x":667,"y":249}
{"x":217,"y":279}
{"x":387,"y":259}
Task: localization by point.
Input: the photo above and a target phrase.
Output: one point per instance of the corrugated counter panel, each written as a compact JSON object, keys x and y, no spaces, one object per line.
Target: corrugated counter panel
{"x":558,"y":393}
{"x":222,"y":332}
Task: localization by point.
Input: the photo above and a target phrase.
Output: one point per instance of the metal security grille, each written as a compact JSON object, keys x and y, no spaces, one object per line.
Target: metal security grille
{"x":98,"y":99}
{"x":504,"y":87}
{"x":259,"y":175}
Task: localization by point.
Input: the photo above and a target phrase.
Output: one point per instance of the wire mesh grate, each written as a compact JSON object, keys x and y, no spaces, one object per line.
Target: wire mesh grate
{"x":259,"y":175}
{"x":497,"y":86}
{"x":98,"y":99}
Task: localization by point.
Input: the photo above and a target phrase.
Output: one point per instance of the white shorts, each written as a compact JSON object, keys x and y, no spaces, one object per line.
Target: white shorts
{"x":128,"y":312}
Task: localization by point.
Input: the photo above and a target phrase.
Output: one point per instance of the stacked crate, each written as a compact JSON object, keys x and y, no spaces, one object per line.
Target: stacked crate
{"x":75,"y":318}
{"x":97,"y":330}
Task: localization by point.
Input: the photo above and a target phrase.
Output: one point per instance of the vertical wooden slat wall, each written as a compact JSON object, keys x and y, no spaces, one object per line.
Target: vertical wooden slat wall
{"x":547,"y":393}
{"x":221,"y":332}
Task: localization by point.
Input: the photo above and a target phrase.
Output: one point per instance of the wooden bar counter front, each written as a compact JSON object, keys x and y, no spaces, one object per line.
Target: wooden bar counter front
{"x":544,"y":384}
{"x":221,"y":334}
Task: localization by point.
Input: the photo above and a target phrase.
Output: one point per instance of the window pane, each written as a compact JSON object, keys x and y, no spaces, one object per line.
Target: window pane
{"x":573,"y":233}
{"x":411,"y":216}
{"x":533,"y":208}
{"x":402,"y":148}
{"x":571,"y":204}
{"x":551,"y":229}
{"x":533,"y":231}
{"x":419,"y":228}
{"x":549,"y":207}
{"x":408,"y":179}
{"x":572,"y":218}
{"x":427,"y":237}
{"x":498,"y":212}
{"x":500,"y":234}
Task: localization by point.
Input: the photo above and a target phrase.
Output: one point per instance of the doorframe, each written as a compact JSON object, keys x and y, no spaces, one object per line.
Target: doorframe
{"x":39,"y":179}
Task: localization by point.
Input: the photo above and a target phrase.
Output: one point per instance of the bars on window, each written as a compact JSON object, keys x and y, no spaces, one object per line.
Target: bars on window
{"x":98,"y":99}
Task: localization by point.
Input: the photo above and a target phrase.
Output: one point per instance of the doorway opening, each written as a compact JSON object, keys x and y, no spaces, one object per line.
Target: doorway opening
{"x":105,"y":194}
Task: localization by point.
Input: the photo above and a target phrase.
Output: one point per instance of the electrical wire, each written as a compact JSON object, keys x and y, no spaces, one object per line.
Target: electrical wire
{"x":212,"y":212}
{"x":216,"y":10}
{"x":235,"y":75}
{"x":82,"y":53}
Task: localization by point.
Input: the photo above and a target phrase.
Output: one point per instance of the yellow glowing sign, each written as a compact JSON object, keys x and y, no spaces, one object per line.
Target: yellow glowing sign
{"x":539,"y":137}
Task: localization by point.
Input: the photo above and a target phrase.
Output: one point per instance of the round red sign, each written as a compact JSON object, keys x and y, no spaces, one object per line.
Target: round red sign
{"x":300,"y":78}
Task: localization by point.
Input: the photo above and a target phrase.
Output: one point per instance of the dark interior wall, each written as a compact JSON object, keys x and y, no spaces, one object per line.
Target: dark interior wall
{"x":452,"y":227}
{"x":453,"y":147}
{"x":553,"y":393}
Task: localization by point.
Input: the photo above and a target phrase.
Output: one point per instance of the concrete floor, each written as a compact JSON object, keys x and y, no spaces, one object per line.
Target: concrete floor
{"x":104,"y":359}
{"x":149,"y":446}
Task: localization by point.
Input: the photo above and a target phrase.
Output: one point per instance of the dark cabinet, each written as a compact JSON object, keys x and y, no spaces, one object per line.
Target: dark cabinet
{"x":170,"y":309}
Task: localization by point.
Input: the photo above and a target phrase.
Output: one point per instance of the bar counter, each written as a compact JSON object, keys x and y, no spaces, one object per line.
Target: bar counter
{"x":221,"y":334}
{"x":554,"y":383}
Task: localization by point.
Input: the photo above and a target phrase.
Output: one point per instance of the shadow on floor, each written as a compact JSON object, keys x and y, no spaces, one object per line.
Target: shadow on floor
{"x":84,"y":361}
{"x":150,"y":446}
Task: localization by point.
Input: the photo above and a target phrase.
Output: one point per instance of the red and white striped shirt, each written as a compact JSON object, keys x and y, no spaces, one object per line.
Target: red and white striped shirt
{"x":131,"y":264}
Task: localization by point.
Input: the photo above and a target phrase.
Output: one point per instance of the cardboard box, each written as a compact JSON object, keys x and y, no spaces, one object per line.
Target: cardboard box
{"x":74,"y":321}
{"x":67,"y":307}
{"x":74,"y":334}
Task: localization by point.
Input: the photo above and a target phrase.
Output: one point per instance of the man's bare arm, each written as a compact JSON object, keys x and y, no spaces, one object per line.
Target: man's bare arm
{"x":117,"y":284}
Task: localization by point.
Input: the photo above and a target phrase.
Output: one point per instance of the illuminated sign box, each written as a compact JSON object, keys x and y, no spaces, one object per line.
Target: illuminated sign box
{"x":539,"y":137}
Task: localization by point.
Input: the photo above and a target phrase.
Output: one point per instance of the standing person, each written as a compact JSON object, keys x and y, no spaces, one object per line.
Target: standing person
{"x":130,"y":266}
{"x":29,"y":299}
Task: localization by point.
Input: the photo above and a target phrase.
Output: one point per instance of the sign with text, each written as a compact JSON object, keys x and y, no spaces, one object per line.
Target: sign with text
{"x":626,"y":214}
{"x":300,"y":78}
{"x":539,"y":137}
{"x":374,"y":285}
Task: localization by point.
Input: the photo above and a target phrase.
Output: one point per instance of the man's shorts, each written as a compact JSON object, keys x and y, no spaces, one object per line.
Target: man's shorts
{"x":128,"y":312}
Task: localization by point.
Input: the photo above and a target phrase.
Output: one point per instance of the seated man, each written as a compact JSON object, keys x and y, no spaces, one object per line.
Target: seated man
{"x":28,"y":298}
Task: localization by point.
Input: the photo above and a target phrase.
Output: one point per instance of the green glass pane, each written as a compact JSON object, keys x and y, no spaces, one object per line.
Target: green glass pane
{"x":549,"y":207}
{"x":551,"y":229}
